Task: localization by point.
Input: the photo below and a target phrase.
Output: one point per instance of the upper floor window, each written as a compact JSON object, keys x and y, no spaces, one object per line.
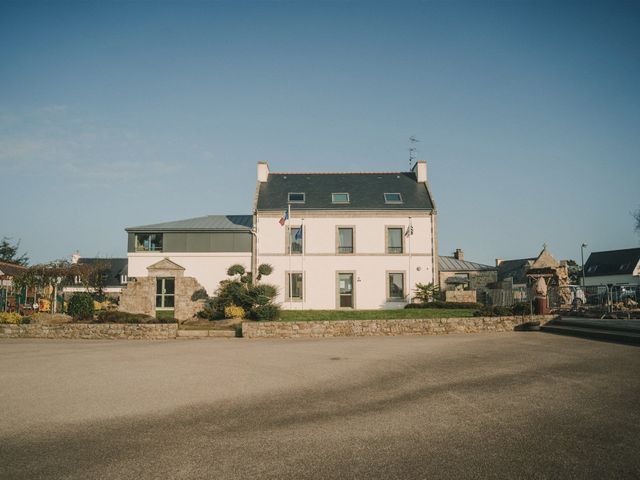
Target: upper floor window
{"x":394,"y":240}
{"x":148,"y":242}
{"x":339,"y":198}
{"x":296,"y":197}
{"x":345,"y":239}
{"x":392,"y":198}
{"x":123,"y":279}
{"x":294,"y":240}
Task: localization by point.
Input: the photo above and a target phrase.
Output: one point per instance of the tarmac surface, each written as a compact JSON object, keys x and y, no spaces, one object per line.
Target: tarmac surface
{"x":504,"y":405}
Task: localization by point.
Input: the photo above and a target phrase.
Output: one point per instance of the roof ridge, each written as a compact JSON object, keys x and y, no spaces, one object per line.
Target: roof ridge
{"x":337,"y":173}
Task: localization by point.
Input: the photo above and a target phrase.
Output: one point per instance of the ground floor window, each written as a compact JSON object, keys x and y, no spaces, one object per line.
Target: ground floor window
{"x":295,"y":286}
{"x":395,"y":286}
{"x":165,"y":292}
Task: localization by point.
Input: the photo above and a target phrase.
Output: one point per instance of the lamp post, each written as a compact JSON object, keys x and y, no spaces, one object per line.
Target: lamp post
{"x":582,"y":247}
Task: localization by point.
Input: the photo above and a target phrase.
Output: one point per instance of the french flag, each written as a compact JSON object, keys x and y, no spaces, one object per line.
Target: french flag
{"x":284,"y":218}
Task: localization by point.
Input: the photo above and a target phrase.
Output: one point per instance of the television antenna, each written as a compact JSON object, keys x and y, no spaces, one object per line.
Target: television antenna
{"x":412,"y":150}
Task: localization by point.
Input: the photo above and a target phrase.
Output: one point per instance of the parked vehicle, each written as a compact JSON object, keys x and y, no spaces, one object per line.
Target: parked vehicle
{"x":578,"y":297}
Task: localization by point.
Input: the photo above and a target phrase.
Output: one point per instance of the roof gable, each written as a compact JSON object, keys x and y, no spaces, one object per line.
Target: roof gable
{"x":366,"y":191}
{"x":165,"y":264}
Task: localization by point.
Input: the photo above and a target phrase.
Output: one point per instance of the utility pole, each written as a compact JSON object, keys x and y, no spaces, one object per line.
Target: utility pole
{"x":582,"y":247}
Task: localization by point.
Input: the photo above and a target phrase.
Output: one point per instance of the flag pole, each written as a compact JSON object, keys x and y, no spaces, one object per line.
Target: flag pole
{"x":289,"y":242}
{"x":303,"y":293}
{"x":409,"y":276}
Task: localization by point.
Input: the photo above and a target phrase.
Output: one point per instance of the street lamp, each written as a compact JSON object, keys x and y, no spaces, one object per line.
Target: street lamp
{"x":582,"y":247}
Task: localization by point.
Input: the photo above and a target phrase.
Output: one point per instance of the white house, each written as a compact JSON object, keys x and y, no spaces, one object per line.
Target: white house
{"x":351,"y":240}
{"x":613,"y":267}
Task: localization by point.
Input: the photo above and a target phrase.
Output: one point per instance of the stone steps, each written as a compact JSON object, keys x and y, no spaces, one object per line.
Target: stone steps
{"x":596,"y":330}
{"x":206,"y":334}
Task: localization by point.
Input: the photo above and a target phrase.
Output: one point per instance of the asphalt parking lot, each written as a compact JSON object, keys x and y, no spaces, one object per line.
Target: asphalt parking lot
{"x":507,"y":405}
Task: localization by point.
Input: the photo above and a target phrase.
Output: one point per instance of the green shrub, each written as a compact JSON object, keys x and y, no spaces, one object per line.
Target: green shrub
{"x":113,"y":316}
{"x":265,"y":312}
{"x":164,"y":316}
{"x":497,"y":311}
{"x":522,"y":308}
{"x":448,"y":305}
{"x":200,"y":294}
{"x":81,"y":307}
{"x":427,"y":292}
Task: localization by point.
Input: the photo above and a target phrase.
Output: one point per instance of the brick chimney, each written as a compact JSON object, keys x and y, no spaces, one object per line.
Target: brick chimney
{"x":75,"y":256}
{"x":458,"y":254}
{"x":420,"y":169}
{"x":263,"y":171}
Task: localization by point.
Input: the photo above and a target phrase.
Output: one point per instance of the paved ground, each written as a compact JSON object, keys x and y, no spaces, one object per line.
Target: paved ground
{"x":510,"y":405}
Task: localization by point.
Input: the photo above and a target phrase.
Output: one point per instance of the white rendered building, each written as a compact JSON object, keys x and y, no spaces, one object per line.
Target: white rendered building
{"x":351,"y":240}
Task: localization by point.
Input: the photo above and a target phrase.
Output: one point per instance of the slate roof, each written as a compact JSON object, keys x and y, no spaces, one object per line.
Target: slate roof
{"x":117,"y":267}
{"x":514,"y":269}
{"x":202,"y":224}
{"x":366,"y":191}
{"x":11,"y":269}
{"x":452,"y":264}
{"x":612,"y":262}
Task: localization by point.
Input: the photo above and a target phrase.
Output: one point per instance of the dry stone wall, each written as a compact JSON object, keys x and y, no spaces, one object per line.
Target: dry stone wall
{"x":361,"y":328}
{"x":100,"y":331}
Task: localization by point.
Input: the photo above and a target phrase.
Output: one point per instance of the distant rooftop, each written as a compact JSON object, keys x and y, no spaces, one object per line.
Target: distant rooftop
{"x":452,"y":264}
{"x":612,"y":262}
{"x":202,"y":224}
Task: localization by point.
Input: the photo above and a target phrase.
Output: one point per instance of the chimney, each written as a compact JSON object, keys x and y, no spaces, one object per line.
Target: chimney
{"x":263,"y":171}
{"x":458,"y":254}
{"x":75,"y":257}
{"x":420,"y":169}
{"x":498,"y":261}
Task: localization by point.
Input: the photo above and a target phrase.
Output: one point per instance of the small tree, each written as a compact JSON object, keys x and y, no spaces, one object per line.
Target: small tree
{"x":81,"y":307}
{"x":93,"y":276}
{"x":427,"y":292}
{"x":9,"y":252}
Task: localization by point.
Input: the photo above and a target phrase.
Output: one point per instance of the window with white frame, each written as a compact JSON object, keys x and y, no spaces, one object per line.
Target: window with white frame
{"x":296,"y":197}
{"x":394,"y":240}
{"x":295,"y":286}
{"x":295,"y":240}
{"x":345,"y":240}
{"x":339,"y":198}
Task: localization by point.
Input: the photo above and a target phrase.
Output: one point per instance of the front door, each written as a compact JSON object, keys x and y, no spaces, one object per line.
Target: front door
{"x":345,"y":290}
{"x":165,"y":293}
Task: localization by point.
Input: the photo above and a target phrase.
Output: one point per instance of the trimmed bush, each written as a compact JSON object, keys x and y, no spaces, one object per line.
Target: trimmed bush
{"x":14,"y":318}
{"x":81,"y":307}
{"x":233,"y":311}
{"x":113,"y":316}
{"x":265,"y":312}
{"x":200,"y":294}
{"x":449,"y":305}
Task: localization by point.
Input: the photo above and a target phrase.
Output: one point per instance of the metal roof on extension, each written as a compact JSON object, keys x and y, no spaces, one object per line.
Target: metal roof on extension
{"x":452,"y":264}
{"x":200,"y":224}
{"x":366,"y":191}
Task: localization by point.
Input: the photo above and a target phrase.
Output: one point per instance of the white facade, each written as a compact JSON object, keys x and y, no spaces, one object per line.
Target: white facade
{"x":612,"y":280}
{"x":209,"y":268}
{"x":370,"y":263}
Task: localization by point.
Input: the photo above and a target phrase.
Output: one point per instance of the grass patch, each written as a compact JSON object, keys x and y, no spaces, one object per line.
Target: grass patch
{"x":319,"y":315}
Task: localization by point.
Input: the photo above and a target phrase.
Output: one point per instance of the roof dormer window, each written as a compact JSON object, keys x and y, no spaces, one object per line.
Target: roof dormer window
{"x":296,"y":197}
{"x":339,"y":198}
{"x":392,"y":198}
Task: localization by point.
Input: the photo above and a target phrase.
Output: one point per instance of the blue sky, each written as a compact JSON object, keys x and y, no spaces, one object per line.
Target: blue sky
{"x":115,"y":114}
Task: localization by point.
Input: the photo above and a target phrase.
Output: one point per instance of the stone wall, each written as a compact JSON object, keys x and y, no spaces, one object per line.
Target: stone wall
{"x":361,"y":328}
{"x":463,"y":296}
{"x":99,"y":331}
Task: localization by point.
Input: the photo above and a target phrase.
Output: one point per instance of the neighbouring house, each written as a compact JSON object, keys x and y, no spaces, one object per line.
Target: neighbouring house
{"x":613,"y":267}
{"x":8,"y":300}
{"x":346,"y":240}
{"x":115,"y":276}
{"x":334,"y":240}
{"x":462,"y":280}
